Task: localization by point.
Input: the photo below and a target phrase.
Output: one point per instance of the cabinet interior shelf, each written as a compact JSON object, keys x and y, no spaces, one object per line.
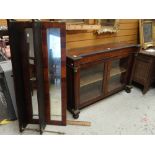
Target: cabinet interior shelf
{"x":114,"y":86}
{"x":116,"y":71}
{"x":85,"y":96}
{"x":86,"y":80}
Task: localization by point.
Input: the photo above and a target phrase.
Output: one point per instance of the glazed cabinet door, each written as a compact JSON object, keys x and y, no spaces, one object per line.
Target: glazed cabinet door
{"x":117,"y":74}
{"x":91,"y":83}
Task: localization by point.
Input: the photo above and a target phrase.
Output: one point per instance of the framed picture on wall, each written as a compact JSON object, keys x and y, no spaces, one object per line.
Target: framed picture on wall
{"x":146,"y":33}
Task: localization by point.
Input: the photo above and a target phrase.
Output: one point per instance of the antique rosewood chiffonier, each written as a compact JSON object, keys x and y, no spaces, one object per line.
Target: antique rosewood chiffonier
{"x":94,"y":73}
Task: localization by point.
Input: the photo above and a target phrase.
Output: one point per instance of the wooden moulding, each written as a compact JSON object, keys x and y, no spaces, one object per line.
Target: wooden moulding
{"x":82,"y":27}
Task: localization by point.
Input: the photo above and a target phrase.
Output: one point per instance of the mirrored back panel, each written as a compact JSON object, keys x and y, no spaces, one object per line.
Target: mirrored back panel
{"x":32,"y":72}
{"x":54,"y":60}
{"x":147,"y":29}
{"x":54,"y":72}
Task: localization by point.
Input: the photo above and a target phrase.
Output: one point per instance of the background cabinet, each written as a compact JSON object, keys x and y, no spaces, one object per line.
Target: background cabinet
{"x":96,"y":72}
{"x":144,"y":72}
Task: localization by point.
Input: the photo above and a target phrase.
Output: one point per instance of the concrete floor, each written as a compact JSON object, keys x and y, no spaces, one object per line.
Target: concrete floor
{"x":121,"y":113}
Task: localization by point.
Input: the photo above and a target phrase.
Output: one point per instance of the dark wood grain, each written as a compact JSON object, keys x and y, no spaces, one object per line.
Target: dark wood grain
{"x":39,"y":74}
{"x":18,"y":47}
{"x":92,"y":50}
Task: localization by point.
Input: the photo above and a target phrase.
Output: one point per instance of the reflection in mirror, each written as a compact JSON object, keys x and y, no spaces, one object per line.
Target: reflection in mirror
{"x":54,"y":69}
{"x":32,"y":72}
{"x":147,"y":28}
{"x":146,"y":33}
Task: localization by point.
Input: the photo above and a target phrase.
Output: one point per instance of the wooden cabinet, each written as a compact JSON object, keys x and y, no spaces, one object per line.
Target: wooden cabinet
{"x":144,"y":72}
{"x":96,"y":72}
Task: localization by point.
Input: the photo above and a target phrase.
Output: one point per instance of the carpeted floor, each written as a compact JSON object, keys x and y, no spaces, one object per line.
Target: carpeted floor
{"x":121,"y":113}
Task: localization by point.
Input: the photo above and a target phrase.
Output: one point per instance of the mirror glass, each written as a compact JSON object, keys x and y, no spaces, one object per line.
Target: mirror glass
{"x":107,"y":22}
{"x":147,"y":29}
{"x":32,"y":72}
{"x":54,"y":72}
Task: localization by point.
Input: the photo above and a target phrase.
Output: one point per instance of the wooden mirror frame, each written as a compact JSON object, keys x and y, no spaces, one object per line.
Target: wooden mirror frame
{"x":108,"y":29}
{"x":62,"y":27}
{"x":144,"y":44}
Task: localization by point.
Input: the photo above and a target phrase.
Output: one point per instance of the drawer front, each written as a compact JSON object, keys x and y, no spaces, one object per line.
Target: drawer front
{"x":107,"y":55}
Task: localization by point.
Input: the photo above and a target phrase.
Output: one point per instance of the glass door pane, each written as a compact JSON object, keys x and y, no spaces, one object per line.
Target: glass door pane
{"x":118,"y":72}
{"x":91,"y":81}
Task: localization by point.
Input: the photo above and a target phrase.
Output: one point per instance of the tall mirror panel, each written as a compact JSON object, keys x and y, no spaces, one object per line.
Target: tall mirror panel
{"x":54,"y":72}
{"x":32,"y":72}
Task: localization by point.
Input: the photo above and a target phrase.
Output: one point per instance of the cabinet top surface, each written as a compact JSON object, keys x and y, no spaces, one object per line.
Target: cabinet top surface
{"x":91,"y":50}
{"x":149,"y":52}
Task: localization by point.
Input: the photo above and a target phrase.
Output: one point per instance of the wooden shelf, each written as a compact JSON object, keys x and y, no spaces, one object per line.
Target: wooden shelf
{"x":85,"y":96}
{"x":115,"y":82}
{"x":82,"y":27}
{"x":114,"y":86}
{"x":86,"y":80}
{"x":116,"y":71}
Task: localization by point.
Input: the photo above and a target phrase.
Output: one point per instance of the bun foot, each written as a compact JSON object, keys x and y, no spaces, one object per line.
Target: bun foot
{"x":75,"y":113}
{"x":75,"y":116}
{"x":128,"y":89}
